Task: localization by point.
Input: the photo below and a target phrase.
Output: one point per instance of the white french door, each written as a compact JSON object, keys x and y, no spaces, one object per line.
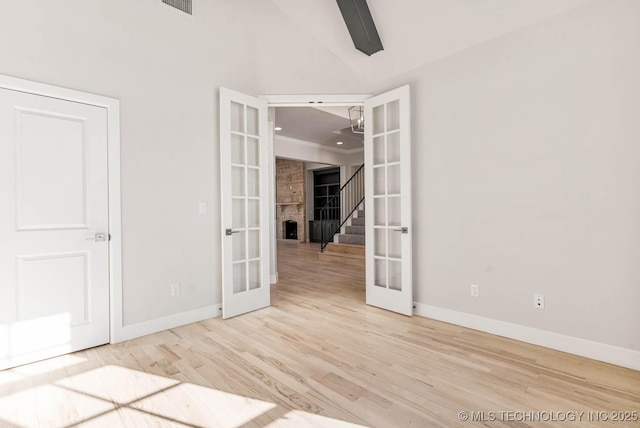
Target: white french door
{"x":388,"y":201}
{"x":244,"y":200}
{"x":54,"y":250}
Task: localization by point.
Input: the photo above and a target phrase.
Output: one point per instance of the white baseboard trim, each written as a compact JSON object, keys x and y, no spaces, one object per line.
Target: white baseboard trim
{"x":143,"y":328}
{"x":585,"y":348}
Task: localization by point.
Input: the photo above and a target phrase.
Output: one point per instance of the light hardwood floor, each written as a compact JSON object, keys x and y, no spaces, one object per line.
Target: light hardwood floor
{"x":319,"y":357}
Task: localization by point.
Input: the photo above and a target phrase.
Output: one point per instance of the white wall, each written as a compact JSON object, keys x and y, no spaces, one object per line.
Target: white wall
{"x":165,"y":68}
{"x":167,"y":90}
{"x":527,"y":178}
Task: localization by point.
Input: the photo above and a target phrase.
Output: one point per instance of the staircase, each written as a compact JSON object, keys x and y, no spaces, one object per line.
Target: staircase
{"x":354,"y":233}
{"x":349,"y":246}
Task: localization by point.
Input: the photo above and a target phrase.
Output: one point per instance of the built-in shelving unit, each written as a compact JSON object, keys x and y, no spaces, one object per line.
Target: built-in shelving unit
{"x":326,"y":183}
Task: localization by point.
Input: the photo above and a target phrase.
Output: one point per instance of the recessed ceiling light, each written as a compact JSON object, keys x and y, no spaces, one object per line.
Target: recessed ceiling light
{"x":277,"y":128}
{"x":339,"y":143}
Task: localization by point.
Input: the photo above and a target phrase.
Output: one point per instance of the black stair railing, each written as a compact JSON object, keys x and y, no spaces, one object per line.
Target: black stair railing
{"x":341,"y":206}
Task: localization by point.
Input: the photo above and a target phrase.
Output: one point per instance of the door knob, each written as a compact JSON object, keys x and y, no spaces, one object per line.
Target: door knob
{"x":229,"y":232}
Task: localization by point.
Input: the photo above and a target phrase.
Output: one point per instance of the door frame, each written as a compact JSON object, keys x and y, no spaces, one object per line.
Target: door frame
{"x":297,"y":100}
{"x":112,"y":107}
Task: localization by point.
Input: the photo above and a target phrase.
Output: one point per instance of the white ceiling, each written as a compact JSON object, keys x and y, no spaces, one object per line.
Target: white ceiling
{"x":325,"y":126}
{"x":414,"y":33}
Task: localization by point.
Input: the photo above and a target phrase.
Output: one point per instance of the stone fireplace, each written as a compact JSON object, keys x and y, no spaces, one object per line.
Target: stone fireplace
{"x":290,"y":198}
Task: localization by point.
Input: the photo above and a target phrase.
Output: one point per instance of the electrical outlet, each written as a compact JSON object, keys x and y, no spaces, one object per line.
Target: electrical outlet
{"x":538,"y":301}
{"x":475,"y":292}
{"x":175,"y":289}
{"x":202,"y":208}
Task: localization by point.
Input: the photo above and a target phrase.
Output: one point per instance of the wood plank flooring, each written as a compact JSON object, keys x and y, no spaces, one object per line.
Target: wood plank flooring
{"x":318,"y":357}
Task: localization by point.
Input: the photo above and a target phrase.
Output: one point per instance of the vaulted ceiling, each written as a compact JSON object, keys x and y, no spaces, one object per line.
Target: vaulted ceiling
{"x":417,"y":32}
{"x":414,"y":33}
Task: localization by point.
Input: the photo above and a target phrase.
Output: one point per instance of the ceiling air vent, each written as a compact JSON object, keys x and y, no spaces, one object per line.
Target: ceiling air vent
{"x":182,"y":5}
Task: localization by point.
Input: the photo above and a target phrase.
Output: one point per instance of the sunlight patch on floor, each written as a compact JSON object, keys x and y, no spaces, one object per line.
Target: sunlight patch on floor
{"x":297,"y":418}
{"x":56,"y":407}
{"x":131,"y":418}
{"x":204,"y":406}
{"x":117,"y":384}
{"x":119,"y":396}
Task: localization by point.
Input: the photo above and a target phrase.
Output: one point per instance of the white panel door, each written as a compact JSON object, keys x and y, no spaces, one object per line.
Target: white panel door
{"x":388,"y":201}
{"x":54,"y":276}
{"x":244,"y":200}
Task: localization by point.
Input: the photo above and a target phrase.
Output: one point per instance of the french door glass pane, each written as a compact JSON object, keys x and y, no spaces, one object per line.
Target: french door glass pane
{"x":379,"y":185}
{"x":254,"y":212}
{"x":395,"y":244}
{"x":237,"y":181}
{"x":394,"y":211}
{"x":252,"y":120}
{"x":378,"y":150}
{"x":393,"y":179}
{"x":239,"y":277}
{"x":393,"y":115}
{"x":238,"y":214}
{"x":380,"y":272}
{"x":237,"y":149}
{"x":380,"y":246}
{"x":254,"y":275}
{"x":253,"y":182}
{"x":379,"y":212}
{"x":395,"y":275}
{"x":378,"y":120}
{"x":239,"y":246}
{"x":254,"y":244}
{"x":393,"y":147}
{"x":237,"y":117}
{"x":253,"y":151}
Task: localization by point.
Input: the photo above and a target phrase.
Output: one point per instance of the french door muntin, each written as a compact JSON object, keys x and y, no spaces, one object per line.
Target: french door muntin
{"x":243,"y":157}
{"x":388,"y":199}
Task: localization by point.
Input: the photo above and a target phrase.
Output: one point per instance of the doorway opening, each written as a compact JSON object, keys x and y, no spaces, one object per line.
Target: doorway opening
{"x":316,"y":152}
{"x":251,"y":190}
